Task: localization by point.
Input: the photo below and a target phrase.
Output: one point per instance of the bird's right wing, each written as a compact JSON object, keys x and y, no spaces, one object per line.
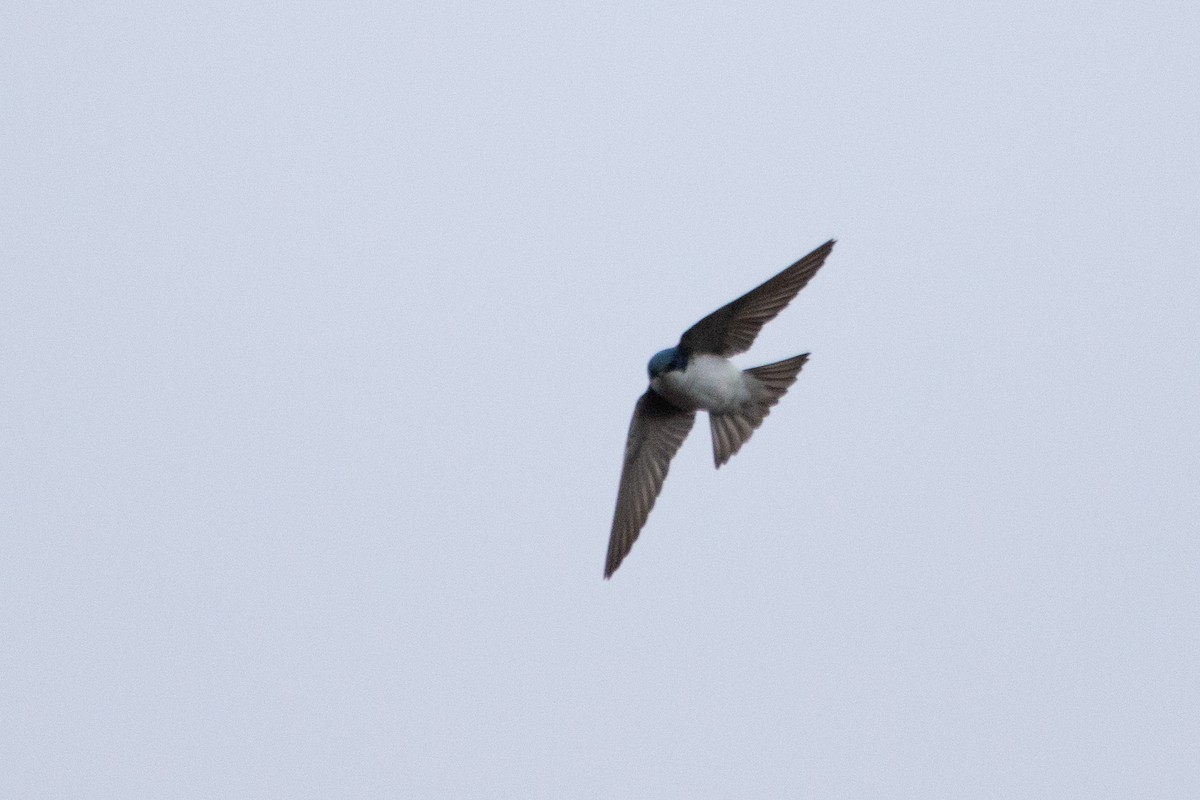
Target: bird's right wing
{"x":655,"y":434}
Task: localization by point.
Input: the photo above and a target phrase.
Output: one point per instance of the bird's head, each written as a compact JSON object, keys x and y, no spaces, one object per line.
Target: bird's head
{"x":666,"y":361}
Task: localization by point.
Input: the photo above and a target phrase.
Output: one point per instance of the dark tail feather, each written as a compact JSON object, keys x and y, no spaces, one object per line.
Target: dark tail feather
{"x":731,"y":431}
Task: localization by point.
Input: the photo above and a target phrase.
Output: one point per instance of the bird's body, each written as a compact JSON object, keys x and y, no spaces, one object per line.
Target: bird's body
{"x":708,"y":382}
{"x":697,"y":375}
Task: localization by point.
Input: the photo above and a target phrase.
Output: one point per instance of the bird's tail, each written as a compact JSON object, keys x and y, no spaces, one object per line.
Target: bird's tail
{"x":770,"y":382}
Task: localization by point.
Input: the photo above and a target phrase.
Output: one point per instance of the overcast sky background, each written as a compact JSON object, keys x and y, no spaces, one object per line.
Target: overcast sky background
{"x":321,"y":326}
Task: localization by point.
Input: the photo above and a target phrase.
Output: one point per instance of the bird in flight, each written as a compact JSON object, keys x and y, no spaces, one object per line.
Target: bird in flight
{"x":697,"y":374}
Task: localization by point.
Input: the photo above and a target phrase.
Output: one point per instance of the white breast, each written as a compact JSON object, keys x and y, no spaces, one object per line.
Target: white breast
{"x":709,"y":382}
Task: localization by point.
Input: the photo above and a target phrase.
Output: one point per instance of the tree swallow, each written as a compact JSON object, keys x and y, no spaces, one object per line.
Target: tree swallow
{"x":697,"y":374}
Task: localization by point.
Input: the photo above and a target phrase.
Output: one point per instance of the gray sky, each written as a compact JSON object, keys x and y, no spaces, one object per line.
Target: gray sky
{"x":321,"y":326}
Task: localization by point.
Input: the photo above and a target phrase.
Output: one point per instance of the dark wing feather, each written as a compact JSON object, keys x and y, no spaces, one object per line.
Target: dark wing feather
{"x":655,"y":434}
{"x":731,"y":329}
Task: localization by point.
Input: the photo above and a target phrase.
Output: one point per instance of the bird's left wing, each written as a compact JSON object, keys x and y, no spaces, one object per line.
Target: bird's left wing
{"x":655,"y":434}
{"x":731,"y":329}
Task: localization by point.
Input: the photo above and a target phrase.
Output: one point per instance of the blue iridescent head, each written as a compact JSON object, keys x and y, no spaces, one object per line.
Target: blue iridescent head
{"x":666,"y":361}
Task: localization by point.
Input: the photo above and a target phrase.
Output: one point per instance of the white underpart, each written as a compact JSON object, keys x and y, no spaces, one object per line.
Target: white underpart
{"x":709,"y":382}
